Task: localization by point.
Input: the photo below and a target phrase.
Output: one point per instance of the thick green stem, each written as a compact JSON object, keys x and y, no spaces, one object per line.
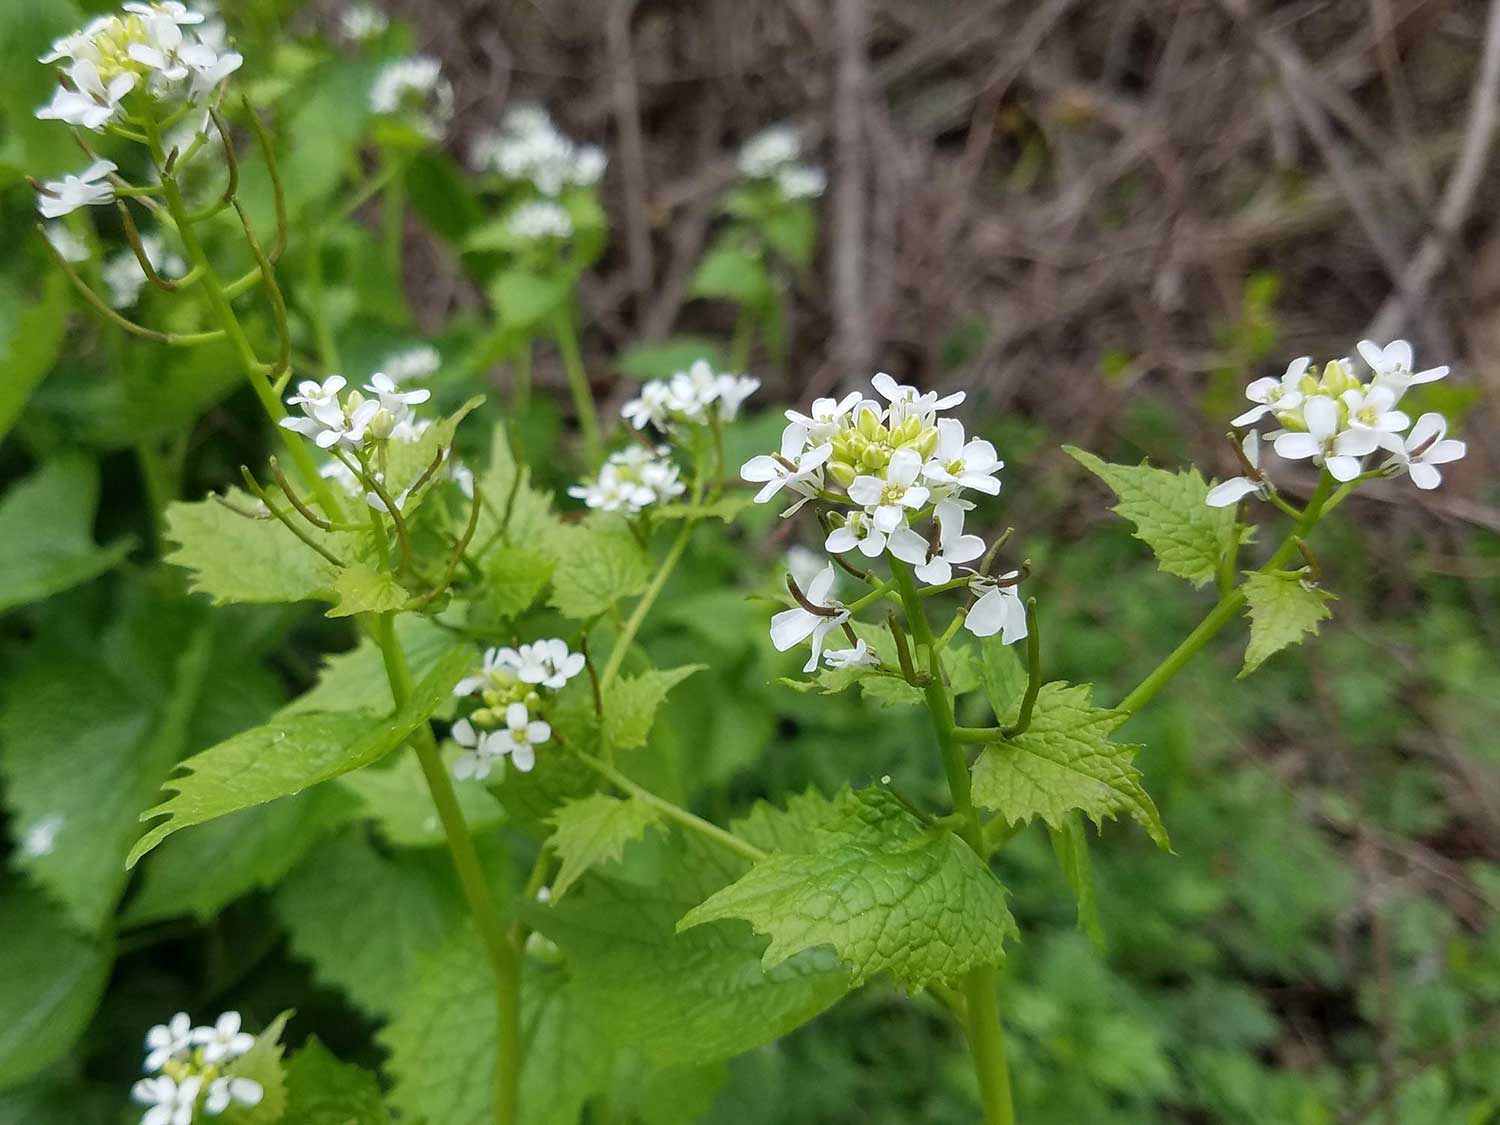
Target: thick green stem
{"x":578,"y":386}
{"x":503,"y":955}
{"x":980,"y":987}
{"x":638,"y":614}
{"x":1229,"y":605}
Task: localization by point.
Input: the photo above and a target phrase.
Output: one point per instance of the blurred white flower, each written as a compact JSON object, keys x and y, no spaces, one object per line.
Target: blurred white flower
{"x":167,"y":1041}
{"x":764,"y":154}
{"x":87,"y":189}
{"x":224,"y":1040}
{"x":793,"y":626}
{"x":68,"y":245}
{"x":41,"y":837}
{"x":801,"y":181}
{"x":223,"y":1091}
{"x":360,"y":23}
{"x":415,"y":362}
{"x":529,"y":147}
{"x":859,"y":656}
{"x":546,"y":663}
{"x":171,"y":1102}
{"x":414,"y":90}
{"x":480,"y":751}
{"x":538,"y":220}
{"x":521,"y":736}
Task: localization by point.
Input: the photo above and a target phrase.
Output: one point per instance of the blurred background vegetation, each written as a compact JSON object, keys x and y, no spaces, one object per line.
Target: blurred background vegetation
{"x":1102,"y":220}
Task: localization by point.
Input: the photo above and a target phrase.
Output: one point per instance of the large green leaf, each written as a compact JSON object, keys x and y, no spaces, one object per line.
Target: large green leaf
{"x":1064,"y":762}
{"x":1170,"y":513}
{"x":1283,"y":611}
{"x":594,"y":830}
{"x":888,"y":893}
{"x":46,"y":532}
{"x":598,"y":563}
{"x":631,"y":703}
{"x":290,"y":754}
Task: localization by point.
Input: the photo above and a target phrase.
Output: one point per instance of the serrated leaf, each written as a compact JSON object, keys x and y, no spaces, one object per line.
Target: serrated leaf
{"x":406,"y":462}
{"x":363,"y":919}
{"x":888,"y":893}
{"x":1170,"y":513}
{"x":262,"y":1064}
{"x":631,"y":703}
{"x":235,"y":558}
{"x":598,"y":563}
{"x":1065,"y":761}
{"x":1282,"y":611}
{"x":363,"y":589}
{"x":441,"y":1042}
{"x":594,"y":830}
{"x":397,"y":799}
{"x":517,"y":512}
{"x":52,"y":981}
{"x":290,"y":754}
{"x":321,"y":1090}
{"x":514,"y":578}
{"x":46,"y":532}
{"x":788,"y":828}
{"x":246,"y":851}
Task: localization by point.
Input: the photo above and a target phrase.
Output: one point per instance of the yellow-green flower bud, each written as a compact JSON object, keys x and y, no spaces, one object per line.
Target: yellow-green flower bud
{"x":842,"y":472}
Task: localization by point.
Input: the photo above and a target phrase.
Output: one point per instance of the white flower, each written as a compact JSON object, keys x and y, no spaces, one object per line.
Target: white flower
{"x":907,"y":402}
{"x":998,"y":610}
{"x":825,"y":418}
{"x":1338,"y":450}
{"x":793,"y":626}
{"x":222,"y":1091}
{"x":650,"y":407}
{"x":959,"y":465}
{"x":68,"y":245}
{"x":859,"y":656}
{"x":480,"y":750}
{"x":538,"y":220}
{"x":359,"y":23}
{"x":1392,"y":365}
{"x":167,"y":1041}
{"x":1270,"y":394}
{"x":730,"y":393}
{"x":631,"y":480}
{"x":91,"y":103}
{"x":224,"y":1040}
{"x":688,"y":397}
{"x":499,"y":665}
{"x":801,"y":181}
{"x":803,"y":564}
{"x":342,"y":475}
{"x":547,"y":663}
{"x":327,"y":420}
{"x":415,"y":90}
{"x":393,"y":399}
{"x":764,"y":154}
{"x":41,"y":837}
{"x":858,"y":530}
{"x":1425,"y":448}
{"x":521,"y":736}
{"x":953,"y":545}
{"x":796,"y":467}
{"x":412,"y":363}
{"x":171,"y":1102}
{"x":1371,"y":408}
{"x":88,"y":188}
{"x":528,"y":147}
{"x":889,"y":500}
{"x":1234,"y":489}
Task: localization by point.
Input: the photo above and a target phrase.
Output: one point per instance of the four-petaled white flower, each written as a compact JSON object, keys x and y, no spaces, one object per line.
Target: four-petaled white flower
{"x":793,"y":626}
{"x":498,"y":664}
{"x":632,"y":480}
{"x":1234,"y":489}
{"x":480,"y":750}
{"x":1373,"y":408}
{"x":1392,"y":365}
{"x":167,"y":1041}
{"x":1337,"y":450}
{"x":87,"y":189}
{"x":859,"y":530}
{"x":224,"y":1040}
{"x":1425,"y":448}
{"x":825,"y":417}
{"x":796,"y":467}
{"x":936,"y":567}
{"x":1271,"y":394}
{"x":92,"y":103}
{"x":521,"y":736}
{"x":998,"y":610}
{"x":889,"y":500}
{"x":223,"y":1091}
{"x":908,"y":402}
{"x":546,"y":663}
{"x":171,"y":1102}
{"x":859,"y":656}
{"x":959,"y":464}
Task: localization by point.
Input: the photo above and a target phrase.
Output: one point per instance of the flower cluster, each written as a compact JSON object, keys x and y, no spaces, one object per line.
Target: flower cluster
{"x":883,"y":468}
{"x":334,"y":420}
{"x":775,"y":155}
{"x":632,"y":479}
{"x":694,"y":397}
{"x":359,"y":23}
{"x":162,"y":51}
{"x":510,"y":684}
{"x":529,"y":147}
{"x":1337,"y":420}
{"x":416,"y":362}
{"x":539,"y":220}
{"x":414,"y":90}
{"x":185,"y":1068}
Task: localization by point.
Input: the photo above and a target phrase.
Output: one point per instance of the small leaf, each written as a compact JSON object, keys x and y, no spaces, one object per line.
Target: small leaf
{"x":594,"y":830}
{"x":631,"y":703}
{"x":321,"y":1090}
{"x":514,"y":579}
{"x":363,"y":589}
{"x":32,"y":345}
{"x":1070,"y":843}
{"x":1001,"y":674}
{"x":1170,"y":513}
{"x":523,"y":299}
{"x":792,"y":230}
{"x":262,"y":1064}
{"x":408,"y":461}
{"x":598,"y":563}
{"x":732,"y":273}
{"x":1065,"y":761}
{"x":1283,"y":611}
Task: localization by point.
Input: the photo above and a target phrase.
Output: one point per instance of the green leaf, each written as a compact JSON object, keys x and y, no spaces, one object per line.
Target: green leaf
{"x":52,"y":981}
{"x":888,"y":893}
{"x":355,"y":680}
{"x":201,"y":871}
{"x":46,"y":532}
{"x":681,"y":999}
{"x":631,"y":703}
{"x":408,"y":461}
{"x":1170,"y":513}
{"x":514,"y":578}
{"x":441,"y":1042}
{"x":1282,"y":610}
{"x":525,"y":510}
{"x":262,"y":1064}
{"x":594,"y":830}
{"x":665,"y":358}
{"x":726,"y":508}
{"x":31,"y":345}
{"x":289,"y":755}
{"x":440,"y":193}
{"x":235,"y":558}
{"x":598,"y":563}
{"x":1070,"y":843}
{"x":397,"y":799}
{"x":363,"y":918}
{"x":792,"y":232}
{"x":788,"y":829}
{"x":733,"y":273}
{"x":1001,"y":674}
{"x":363,"y":589}
{"x":1065,"y":761}
{"x":321,"y":1090}
{"x":523,"y":299}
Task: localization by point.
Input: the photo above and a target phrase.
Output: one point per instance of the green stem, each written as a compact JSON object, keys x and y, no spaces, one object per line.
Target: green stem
{"x":578,"y":386}
{"x":1229,"y":605}
{"x":503,"y":956}
{"x":638,"y":614}
{"x":981,"y":985}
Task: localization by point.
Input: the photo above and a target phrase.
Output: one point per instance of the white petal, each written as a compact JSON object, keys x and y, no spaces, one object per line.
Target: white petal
{"x":1321,"y":414}
{"x":524,"y":757}
{"x":1425,"y":476}
{"x":1230,"y":492}
{"x":1254,"y":414}
{"x":987,"y":615}
{"x":841,"y":539}
{"x":821,"y":586}
{"x":1296,"y":447}
{"x":908,"y":546}
{"x":866,"y":491}
{"x":791,"y":627}
{"x":904,"y":466}
{"x":1342,"y":468}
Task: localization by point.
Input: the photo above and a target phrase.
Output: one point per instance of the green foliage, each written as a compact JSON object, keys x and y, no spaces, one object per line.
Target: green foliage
{"x":631,"y":703}
{"x":1170,"y":515}
{"x":32,"y":339}
{"x":1283,"y":610}
{"x":515,"y":577}
{"x":262,"y":1064}
{"x":288,"y":755}
{"x":1065,"y":761}
{"x":395,"y":797}
{"x":363,"y":589}
{"x":594,"y":830}
{"x":732,"y":272}
{"x":598,"y":562}
{"x":888,"y":893}
{"x":665,"y":358}
{"x":46,"y":532}
{"x":321,"y":1090}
